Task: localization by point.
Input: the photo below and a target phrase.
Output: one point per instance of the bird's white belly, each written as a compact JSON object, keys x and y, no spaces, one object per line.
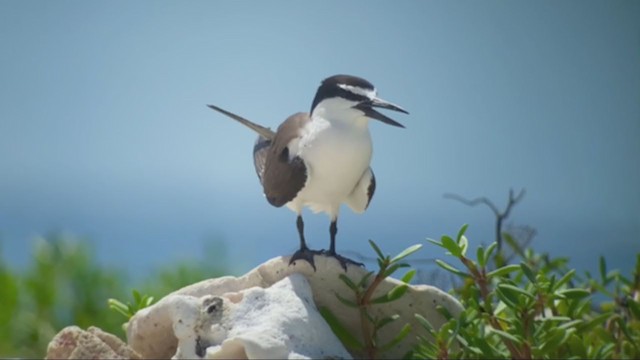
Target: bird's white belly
{"x":335,"y":158}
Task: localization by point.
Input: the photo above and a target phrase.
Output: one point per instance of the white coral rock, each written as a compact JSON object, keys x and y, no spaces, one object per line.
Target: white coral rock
{"x":270,"y":312}
{"x":279,"y":322}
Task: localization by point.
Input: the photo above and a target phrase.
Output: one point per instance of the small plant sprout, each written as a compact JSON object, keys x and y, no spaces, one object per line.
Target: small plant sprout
{"x":363,"y":299}
{"x":139,"y":302}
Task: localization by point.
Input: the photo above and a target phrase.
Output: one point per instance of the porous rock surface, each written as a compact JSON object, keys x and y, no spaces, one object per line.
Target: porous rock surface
{"x":74,"y":343}
{"x":279,"y":322}
{"x":270,"y":312}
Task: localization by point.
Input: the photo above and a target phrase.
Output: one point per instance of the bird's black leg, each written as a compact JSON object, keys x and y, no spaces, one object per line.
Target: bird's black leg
{"x":304,"y":253}
{"x":300,"y":226}
{"x":333,"y":230}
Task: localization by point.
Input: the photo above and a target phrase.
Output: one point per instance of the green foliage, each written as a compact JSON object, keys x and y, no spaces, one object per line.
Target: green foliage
{"x":63,"y":285}
{"x":363,"y":290}
{"x":129,"y":309}
{"x":534,"y":309}
{"x":528,"y":305}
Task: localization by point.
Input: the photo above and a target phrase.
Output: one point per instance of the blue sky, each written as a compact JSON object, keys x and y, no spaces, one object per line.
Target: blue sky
{"x":104,"y":130}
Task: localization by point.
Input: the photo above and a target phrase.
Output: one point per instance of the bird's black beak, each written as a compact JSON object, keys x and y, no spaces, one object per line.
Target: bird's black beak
{"x":368,"y":108}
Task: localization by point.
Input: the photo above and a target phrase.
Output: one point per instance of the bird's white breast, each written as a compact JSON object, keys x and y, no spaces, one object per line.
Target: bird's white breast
{"x":336,"y":154}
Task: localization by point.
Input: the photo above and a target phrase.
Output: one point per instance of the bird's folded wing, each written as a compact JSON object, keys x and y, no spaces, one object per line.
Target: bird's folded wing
{"x":284,"y":174}
{"x":260,"y":151}
{"x":361,"y":196}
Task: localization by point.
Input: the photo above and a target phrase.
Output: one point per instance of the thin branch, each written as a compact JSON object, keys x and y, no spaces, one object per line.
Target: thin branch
{"x":500,"y":216}
{"x":524,"y":234}
{"x":474,"y":202}
{"x":512,"y":202}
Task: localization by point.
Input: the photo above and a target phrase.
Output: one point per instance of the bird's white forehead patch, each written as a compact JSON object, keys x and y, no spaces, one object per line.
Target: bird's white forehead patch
{"x":370,"y":93}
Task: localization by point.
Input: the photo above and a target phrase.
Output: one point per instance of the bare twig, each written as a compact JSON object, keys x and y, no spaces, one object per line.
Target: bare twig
{"x":500,"y":216}
{"x":524,"y":235}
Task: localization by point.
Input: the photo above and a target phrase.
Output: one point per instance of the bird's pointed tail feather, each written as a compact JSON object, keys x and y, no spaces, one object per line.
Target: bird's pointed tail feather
{"x":261,"y":130}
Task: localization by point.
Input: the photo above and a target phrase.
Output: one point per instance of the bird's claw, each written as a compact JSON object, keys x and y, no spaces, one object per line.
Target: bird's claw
{"x":341,"y":259}
{"x":305,"y":254}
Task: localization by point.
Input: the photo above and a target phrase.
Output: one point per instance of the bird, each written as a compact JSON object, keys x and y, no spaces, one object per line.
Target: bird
{"x":321,"y":159}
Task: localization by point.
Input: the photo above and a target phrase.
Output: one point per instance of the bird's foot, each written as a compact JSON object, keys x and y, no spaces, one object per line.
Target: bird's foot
{"x":341,"y":259}
{"x":305,"y":254}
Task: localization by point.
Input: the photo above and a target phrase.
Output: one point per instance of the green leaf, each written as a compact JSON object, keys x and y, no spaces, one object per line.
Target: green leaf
{"x":550,"y":285}
{"x":343,"y":334}
{"x":406,"y":329}
{"x":490,"y":249}
{"x":555,"y":318}
{"x":505,"y":335}
{"x":349,"y":303}
{"x":603,"y":269}
{"x":605,"y":351}
{"x":463,"y":243}
{"x":376,"y":249}
{"x":362,"y":283}
{"x":503,"y":270}
{"x":573,"y":293}
{"x":594,"y":322}
{"x":515,"y":290}
{"x":601,"y":288}
{"x":489,"y":351}
{"x":556,"y":339}
{"x":473,"y":349}
{"x":564,"y":279}
{"x":444,"y":312}
{"x":514,"y":244}
{"x":345,"y":279}
{"x":424,"y":322}
{"x":406,"y":252}
{"x":435,"y":242}
{"x":386,"y":320}
{"x":634,"y":306}
{"x":136,"y":297}
{"x":451,"y":245}
{"x":528,"y":272}
{"x":408,"y":276}
{"x":502,"y":306}
{"x":510,"y":299}
{"x":392,"y":295}
{"x":622,"y":324}
{"x":624,"y":280}
{"x":397,"y":291}
{"x":482,"y":261}
{"x":451,"y":268}
{"x":570,"y":324}
{"x":119,"y":307}
{"x":461,"y":232}
{"x":393,"y":268}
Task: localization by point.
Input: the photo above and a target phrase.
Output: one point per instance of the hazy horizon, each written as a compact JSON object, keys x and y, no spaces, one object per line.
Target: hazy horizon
{"x":105,"y":133}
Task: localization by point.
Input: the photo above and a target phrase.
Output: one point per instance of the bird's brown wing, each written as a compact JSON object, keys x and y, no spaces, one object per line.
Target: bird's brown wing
{"x":282,"y":174}
{"x":260,"y":151}
{"x":261,"y":147}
